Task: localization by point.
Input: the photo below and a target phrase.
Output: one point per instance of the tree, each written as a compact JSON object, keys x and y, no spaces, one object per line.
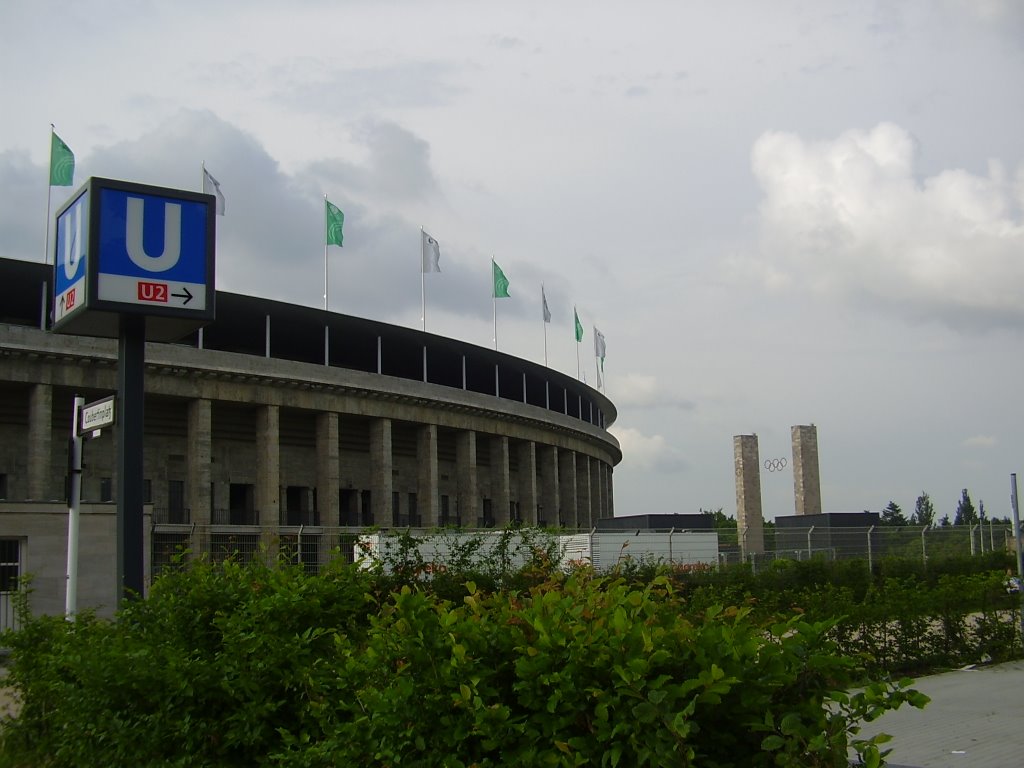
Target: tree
{"x":721,"y":520}
{"x":893,"y":515}
{"x":965,"y":512}
{"x":924,"y":511}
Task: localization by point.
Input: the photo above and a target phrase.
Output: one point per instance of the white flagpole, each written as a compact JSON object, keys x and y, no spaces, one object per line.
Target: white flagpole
{"x":575,"y":318}
{"x":49,"y":176}
{"x":423,"y":286}
{"x":494,"y":304}
{"x":327,"y":328}
{"x":544,"y":322}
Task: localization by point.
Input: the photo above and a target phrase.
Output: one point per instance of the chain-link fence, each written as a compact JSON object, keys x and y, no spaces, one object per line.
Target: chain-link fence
{"x":921,"y":543}
{"x":311,"y":547}
{"x":314,"y":546}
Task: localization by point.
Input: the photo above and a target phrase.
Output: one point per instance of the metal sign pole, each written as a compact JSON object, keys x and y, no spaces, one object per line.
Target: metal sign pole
{"x":1017,"y":544}
{"x":130,"y":414}
{"x":74,"y":506}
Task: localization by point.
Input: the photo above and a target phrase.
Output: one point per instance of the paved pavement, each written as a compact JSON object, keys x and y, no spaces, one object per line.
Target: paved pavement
{"x":974,"y":720}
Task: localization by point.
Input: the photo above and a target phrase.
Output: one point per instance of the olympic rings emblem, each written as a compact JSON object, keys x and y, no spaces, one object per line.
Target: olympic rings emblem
{"x":775,"y":465}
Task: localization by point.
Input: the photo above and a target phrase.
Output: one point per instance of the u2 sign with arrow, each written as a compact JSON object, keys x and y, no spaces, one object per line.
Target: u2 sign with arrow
{"x":124,"y":248}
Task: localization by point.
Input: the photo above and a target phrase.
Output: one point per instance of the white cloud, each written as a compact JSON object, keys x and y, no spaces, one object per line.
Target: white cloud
{"x":641,"y":391}
{"x":647,"y":452}
{"x":847,"y":218}
{"x":980,"y":441}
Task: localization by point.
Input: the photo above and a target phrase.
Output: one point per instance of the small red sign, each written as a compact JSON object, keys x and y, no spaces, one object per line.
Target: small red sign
{"x":69,"y":300}
{"x":153,"y":292}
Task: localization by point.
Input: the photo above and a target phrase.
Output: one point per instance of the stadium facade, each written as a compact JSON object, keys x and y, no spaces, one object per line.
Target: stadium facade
{"x":255,"y":431}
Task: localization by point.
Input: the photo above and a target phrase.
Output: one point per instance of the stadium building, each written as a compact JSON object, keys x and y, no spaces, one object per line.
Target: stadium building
{"x":257,"y":434}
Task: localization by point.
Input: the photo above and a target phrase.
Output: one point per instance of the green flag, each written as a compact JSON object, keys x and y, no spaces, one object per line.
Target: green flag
{"x":579,"y":326}
{"x":62,"y":163}
{"x":334,"y":221}
{"x":500,"y":281}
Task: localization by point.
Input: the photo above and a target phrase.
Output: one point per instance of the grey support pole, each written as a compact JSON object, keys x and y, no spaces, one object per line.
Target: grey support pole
{"x":74,"y":508}
{"x":130,"y":416}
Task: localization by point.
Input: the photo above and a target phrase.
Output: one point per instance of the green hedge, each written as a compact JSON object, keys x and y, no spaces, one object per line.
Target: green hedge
{"x":254,"y":666}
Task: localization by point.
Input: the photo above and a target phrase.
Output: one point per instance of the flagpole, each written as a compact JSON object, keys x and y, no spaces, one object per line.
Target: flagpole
{"x":327,"y":328}
{"x":423,"y":285}
{"x":494,"y":305}
{"x":544,"y":323}
{"x":575,"y":319}
{"x":49,"y":178}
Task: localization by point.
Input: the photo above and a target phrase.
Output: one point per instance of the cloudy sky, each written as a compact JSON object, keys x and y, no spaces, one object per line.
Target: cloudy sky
{"x":777,"y":213}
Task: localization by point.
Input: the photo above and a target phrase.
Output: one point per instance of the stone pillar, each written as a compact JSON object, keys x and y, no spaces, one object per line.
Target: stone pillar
{"x":427,"y":494}
{"x":749,"y":520}
{"x":806,"y":478}
{"x":567,"y":489}
{"x":40,"y":442}
{"x":465,"y":469}
{"x":328,"y":470}
{"x":609,"y":485}
{"x":268,"y":475}
{"x":501,"y":484}
{"x":200,"y":475}
{"x":548,"y":468}
{"x":381,"y":466}
{"x":583,"y":499}
{"x":599,"y":497}
{"x":527,"y":485}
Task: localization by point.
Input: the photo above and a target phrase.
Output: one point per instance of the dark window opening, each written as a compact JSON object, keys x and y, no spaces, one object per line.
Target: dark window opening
{"x":176,"y":511}
{"x":299,"y":506}
{"x":106,"y":489}
{"x":241,"y":504}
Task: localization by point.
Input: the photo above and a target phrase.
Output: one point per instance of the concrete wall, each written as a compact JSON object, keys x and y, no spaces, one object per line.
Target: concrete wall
{"x":42,"y":529}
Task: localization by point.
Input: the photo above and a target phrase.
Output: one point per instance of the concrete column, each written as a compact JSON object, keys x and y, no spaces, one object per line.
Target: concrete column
{"x":749,"y":520}
{"x":500,"y":480}
{"x":567,"y":488}
{"x":427,"y":497}
{"x":268,"y":475}
{"x":595,"y":489}
{"x":40,"y":441}
{"x":381,"y":466}
{"x":583,"y":492}
{"x":548,"y":469}
{"x":601,"y":481}
{"x":328,"y":470}
{"x":806,"y":478}
{"x":465,"y":469}
{"x":609,"y":474}
{"x":527,"y":482}
{"x":200,"y":454}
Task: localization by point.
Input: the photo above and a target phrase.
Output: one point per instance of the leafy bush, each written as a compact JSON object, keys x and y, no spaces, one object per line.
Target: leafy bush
{"x":270,"y":666}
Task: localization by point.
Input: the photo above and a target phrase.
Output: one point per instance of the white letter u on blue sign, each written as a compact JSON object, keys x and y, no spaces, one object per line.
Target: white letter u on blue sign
{"x":172,"y":237}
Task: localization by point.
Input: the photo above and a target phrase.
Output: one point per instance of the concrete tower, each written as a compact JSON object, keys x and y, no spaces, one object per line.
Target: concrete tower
{"x":749,"y":521}
{"x":806,"y":478}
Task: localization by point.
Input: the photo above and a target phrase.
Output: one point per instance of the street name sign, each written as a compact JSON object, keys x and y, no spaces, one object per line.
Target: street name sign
{"x":97,"y":415}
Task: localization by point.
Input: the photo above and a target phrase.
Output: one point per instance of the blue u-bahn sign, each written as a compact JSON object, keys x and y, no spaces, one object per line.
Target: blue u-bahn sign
{"x":123,"y":248}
